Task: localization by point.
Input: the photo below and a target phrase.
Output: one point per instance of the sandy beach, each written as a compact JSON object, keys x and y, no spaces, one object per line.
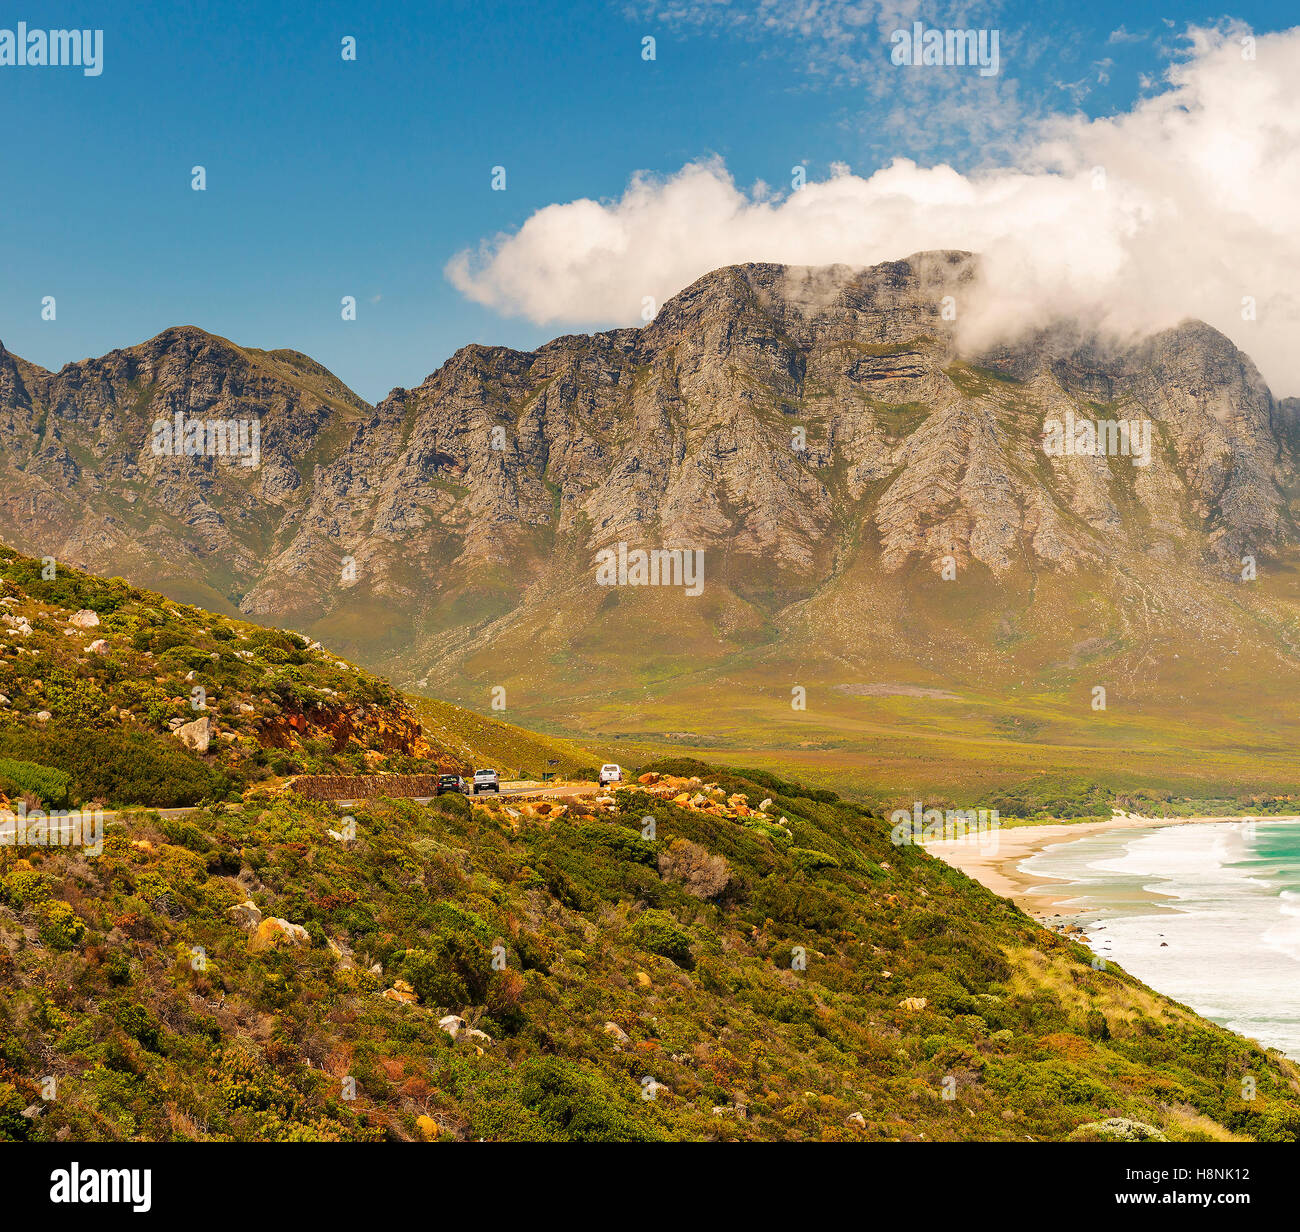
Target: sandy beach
{"x":996,"y":864}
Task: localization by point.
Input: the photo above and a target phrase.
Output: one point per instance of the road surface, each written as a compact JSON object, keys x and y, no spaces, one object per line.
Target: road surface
{"x":110,"y":816}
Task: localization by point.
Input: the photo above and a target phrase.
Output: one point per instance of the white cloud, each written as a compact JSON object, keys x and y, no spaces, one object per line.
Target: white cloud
{"x":1198,"y":211}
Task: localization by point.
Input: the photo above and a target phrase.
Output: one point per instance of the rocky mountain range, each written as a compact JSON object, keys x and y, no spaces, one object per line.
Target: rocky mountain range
{"x":871,"y":501}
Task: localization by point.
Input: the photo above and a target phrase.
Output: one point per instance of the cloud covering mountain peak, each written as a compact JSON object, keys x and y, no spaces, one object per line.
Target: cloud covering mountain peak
{"x":1183,"y":206}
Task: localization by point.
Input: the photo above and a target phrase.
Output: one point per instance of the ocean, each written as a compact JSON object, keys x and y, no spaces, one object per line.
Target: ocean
{"x":1208,"y":914}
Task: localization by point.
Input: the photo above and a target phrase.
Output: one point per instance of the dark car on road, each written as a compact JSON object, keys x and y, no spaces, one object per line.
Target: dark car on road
{"x":451,"y":782}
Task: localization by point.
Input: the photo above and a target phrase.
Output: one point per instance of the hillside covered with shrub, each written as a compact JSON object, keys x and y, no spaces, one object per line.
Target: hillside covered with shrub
{"x":570,"y":972}
{"x":135,"y":699}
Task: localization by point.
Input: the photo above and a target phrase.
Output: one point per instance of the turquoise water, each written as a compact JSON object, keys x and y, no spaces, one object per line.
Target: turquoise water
{"x":1207,"y":913}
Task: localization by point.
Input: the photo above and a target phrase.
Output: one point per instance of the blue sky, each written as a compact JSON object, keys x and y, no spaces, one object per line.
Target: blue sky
{"x":328,"y":178}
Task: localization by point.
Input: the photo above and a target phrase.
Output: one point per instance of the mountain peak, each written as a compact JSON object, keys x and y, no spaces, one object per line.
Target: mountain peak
{"x":816,"y":432}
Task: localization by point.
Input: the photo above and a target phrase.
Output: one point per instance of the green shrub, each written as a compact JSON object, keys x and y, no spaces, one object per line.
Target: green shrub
{"x":60,"y":927}
{"x":778,"y":834}
{"x":944,"y":994}
{"x":659,"y":933}
{"x":810,"y":861}
{"x":616,"y":841}
{"x":76,"y":703}
{"x":1096,"y":1025}
{"x":24,"y":887}
{"x":68,"y":588}
{"x":577,"y":1105}
{"x":140,"y":1025}
{"x":14,"y":1127}
{"x":451,"y":971}
{"x":19,"y":778}
{"x":120,"y":767}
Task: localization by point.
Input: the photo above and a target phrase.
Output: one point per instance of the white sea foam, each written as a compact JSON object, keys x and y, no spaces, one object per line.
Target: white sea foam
{"x":1199,"y":912}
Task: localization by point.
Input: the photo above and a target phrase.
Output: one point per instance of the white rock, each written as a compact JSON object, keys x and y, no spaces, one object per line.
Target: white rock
{"x":620,"y":1036}
{"x":99,"y":646}
{"x":84,"y":619}
{"x":246,"y":915}
{"x":196,"y":735}
{"x":452,"y":1024}
{"x":43,"y":716}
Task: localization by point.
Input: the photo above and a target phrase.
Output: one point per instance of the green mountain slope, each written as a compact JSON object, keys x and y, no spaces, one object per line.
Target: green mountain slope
{"x":514,"y":751}
{"x":729,"y":978}
{"x":140,"y":700}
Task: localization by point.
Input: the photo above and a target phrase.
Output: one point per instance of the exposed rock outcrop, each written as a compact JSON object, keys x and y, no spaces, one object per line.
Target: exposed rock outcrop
{"x":196,"y":735}
{"x":818,"y":433}
{"x":274,"y":933}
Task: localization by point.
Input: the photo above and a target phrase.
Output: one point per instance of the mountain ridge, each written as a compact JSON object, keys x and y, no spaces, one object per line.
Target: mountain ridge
{"x":872,"y":503}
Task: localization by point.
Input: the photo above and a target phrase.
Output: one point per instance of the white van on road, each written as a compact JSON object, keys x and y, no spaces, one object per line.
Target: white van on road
{"x":610,"y":774}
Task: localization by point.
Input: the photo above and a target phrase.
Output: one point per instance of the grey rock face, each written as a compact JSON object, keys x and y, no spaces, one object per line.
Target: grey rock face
{"x":794,"y":423}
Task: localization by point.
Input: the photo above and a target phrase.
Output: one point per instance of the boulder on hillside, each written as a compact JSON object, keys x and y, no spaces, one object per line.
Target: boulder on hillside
{"x":84,"y":619}
{"x":274,"y":933}
{"x":620,"y":1036}
{"x":196,"y":735}
{"x":246,"y":914}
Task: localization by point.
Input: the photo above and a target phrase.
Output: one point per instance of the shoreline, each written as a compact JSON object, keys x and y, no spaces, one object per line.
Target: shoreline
{"x":999,"y":870}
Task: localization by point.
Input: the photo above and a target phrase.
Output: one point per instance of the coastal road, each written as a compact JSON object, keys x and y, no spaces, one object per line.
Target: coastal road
{"x":533,"y":792}
{"x":8,"y":826}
